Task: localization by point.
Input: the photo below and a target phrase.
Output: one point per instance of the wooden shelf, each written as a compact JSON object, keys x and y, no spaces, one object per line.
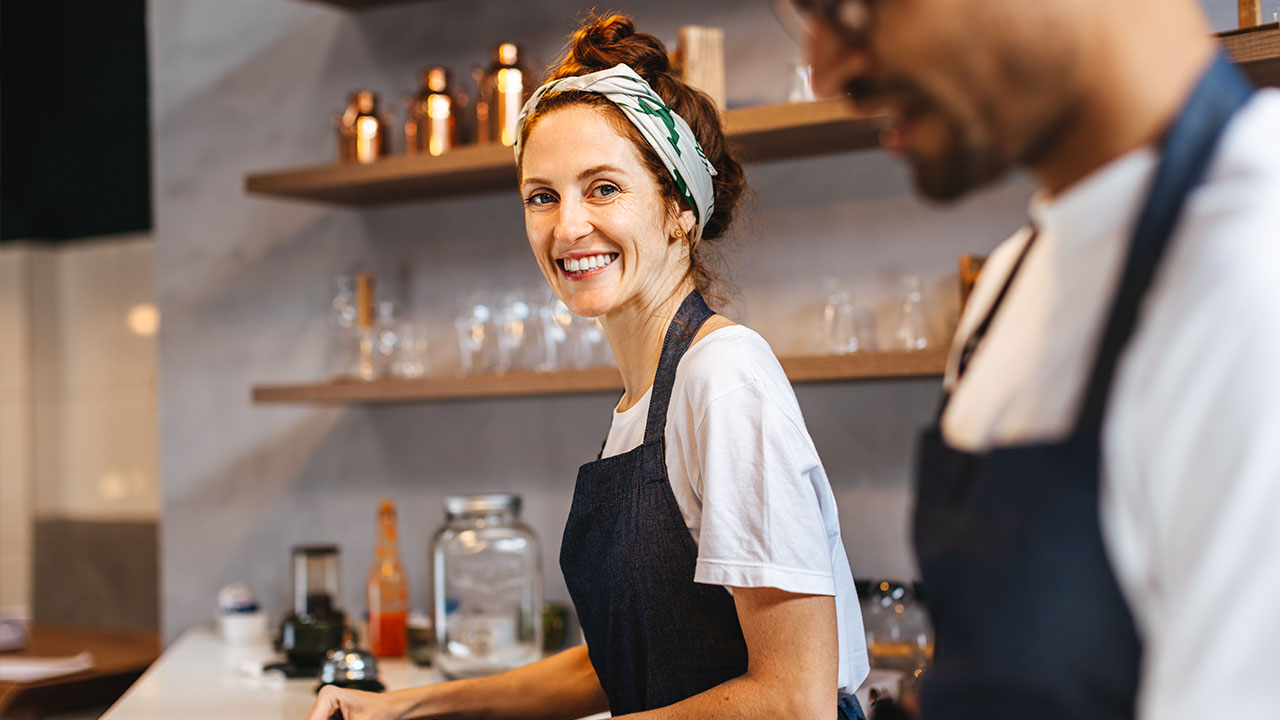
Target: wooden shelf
{"x":1257,"y":51}
{"x":767,"y":132}
{"x":803,"y":369}
{"x":358,"y":4}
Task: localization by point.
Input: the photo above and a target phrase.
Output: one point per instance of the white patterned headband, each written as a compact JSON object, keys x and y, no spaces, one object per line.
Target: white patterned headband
{"x":667,"y":132}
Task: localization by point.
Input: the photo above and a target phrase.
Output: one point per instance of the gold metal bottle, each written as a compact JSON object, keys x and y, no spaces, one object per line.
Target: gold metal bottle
{"x":503,"y":91}
{"x":361,"y":135}
{"x":432,"y":127}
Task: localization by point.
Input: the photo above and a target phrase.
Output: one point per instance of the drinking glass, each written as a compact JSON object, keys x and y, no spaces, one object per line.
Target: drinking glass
{"x":912,"y":330}
{"x":839,"y":333}
{"x":898,"y":632}
{"x":474,"y":326}
{"x":801,"y":83}
{"x":411,"y":359}
{"x":387,"y":322}
{"x":514,"y":331}
{"x":557,"y":322}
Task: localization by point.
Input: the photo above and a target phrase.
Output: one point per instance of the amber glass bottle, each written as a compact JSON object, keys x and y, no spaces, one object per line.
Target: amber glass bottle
{"x":387,"y":591}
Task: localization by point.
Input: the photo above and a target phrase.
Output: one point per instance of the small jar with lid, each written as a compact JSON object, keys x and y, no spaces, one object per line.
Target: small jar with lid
{"x":486,"y":587}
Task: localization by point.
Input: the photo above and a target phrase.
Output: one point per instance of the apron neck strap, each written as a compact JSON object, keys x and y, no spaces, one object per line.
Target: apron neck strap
{"x":1187,"y":149}
{"x":689,"y":318}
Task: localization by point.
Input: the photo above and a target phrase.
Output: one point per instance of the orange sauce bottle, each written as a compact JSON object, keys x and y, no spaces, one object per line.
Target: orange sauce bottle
{"x":387,"y":591}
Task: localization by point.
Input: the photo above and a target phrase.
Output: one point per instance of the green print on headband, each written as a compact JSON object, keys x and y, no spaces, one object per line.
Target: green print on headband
{"x":665,"y":131}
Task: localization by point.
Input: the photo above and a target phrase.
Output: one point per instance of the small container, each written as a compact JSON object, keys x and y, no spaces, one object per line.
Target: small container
{"x":432,"y":126}
{"x":362,"y":132}
{"x":421,"y":638}
{"x":486,"y":587}
{"x":240,"y":620}
{"x":504,"y":88}
{"x":555,"y":623}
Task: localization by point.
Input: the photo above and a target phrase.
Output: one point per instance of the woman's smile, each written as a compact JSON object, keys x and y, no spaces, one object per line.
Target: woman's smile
{"x":581,"y":266}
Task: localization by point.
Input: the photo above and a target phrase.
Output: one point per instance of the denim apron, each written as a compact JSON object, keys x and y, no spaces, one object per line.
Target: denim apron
{"x":1029,"y":619}
{"x":655,"y":637}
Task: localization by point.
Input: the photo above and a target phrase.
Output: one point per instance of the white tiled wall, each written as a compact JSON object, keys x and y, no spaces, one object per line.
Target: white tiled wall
{"x":77,"y":392}
{"x":16,"y":450}
{"x":105,"y":393}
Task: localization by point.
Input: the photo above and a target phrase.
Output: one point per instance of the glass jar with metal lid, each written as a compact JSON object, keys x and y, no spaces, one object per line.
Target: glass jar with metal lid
{"x":486,"y":581}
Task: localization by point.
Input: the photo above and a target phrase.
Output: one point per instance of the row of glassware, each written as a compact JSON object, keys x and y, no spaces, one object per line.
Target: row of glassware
{"x":848,"y":325}
{"x":495,"y":332}
{"x":531,"y":329}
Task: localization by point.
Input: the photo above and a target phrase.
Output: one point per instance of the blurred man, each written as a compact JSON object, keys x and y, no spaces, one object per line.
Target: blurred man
{"x":1097,"y":510}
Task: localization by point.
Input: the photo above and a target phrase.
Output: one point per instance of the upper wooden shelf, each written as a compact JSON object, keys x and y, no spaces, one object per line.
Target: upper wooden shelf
{"x":767,"y":132}
{"x":810,"y":368}
{"x":358,"y":4}
{"x":759,"y":133}
{"x":1257,"y":51}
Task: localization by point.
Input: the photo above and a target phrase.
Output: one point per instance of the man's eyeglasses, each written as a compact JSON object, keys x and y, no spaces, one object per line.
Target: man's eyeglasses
{"x":851,"y":19}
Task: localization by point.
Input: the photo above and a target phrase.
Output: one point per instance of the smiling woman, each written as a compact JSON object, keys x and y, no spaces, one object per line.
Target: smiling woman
{"x":703,"y":550}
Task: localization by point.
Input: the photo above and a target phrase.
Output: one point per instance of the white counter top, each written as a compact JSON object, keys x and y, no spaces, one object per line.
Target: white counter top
{"x":200,"y":677}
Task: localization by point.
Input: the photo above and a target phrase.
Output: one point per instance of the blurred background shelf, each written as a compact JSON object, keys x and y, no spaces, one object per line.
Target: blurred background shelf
{"x":801,"y":369}
{"x":359,"y":4}
{"x":767,"y":132}
{"x":1257,"y":51}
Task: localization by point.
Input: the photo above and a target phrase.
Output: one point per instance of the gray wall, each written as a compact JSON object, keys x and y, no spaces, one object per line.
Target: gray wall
{"x":242,"y":283}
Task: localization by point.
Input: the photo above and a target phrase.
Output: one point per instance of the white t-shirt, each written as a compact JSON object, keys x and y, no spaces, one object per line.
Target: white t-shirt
{"x":749,"y":482}
{"x":1190,"y":498}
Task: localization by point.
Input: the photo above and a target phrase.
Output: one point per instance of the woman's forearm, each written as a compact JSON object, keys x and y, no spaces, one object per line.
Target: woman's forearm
{"x":563,"y":686}
{"x":748,"y":698}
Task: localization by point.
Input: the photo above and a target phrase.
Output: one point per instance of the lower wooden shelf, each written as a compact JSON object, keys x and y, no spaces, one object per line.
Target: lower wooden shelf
{"x":801,"y":369}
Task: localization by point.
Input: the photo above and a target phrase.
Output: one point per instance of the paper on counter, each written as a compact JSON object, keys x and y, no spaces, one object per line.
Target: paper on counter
{"x":31,"y":669}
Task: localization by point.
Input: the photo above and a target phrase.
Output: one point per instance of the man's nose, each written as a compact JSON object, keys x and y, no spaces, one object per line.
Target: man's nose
{"x":836,"y":62}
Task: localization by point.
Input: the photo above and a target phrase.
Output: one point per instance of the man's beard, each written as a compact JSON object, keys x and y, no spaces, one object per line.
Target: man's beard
{"x":964,"y":166}
{"x":966,"y":163}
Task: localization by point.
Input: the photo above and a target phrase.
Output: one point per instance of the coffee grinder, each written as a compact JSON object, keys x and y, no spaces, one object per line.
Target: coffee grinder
{"x":315,"y":625}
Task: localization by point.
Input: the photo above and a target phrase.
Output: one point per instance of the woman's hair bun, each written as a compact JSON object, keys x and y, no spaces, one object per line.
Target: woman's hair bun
{"x":604,"y":41}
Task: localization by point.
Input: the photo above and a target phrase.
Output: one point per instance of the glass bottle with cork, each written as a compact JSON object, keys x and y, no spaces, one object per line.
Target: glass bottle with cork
{"x":387,"y":591}
{"x":365,"y":366}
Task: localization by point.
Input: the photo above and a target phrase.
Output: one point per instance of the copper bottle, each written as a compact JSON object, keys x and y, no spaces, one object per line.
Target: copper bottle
{"x":503,"y":91}
{"x":432,"y":127}
{"x":362,"y":135}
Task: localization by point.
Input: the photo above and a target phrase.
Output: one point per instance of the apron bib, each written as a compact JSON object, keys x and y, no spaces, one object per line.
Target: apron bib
{"x":655,"y":637}
{"x":1029,"y":619}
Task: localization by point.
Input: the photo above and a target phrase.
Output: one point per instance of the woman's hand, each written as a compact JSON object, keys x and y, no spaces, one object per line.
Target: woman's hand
{"x":336,"y":702}
{"x":559,"y":687}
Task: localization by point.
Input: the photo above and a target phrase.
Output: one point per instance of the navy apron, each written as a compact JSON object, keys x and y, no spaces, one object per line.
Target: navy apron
{"x":1029,"y":619}
{"x":655,"y":637}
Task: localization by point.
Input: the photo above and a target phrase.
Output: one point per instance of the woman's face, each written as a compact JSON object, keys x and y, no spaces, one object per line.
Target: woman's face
{"x":597,"y":222}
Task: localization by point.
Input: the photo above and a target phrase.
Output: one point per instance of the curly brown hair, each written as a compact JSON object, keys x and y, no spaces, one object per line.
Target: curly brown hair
{"x":602,"y":42}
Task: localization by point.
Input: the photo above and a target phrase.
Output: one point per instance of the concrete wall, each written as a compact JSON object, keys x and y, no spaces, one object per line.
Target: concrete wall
{"x":243,"y":284}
